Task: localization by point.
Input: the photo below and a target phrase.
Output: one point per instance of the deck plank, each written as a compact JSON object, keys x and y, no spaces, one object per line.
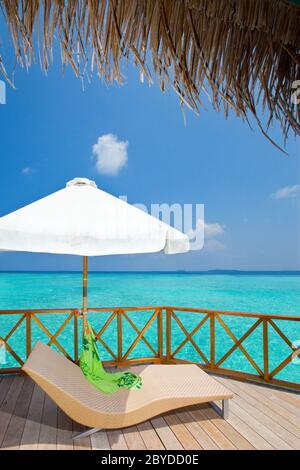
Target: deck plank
{"x":279,"y":398}
{"x":117,"y":440}
{"x":149,"y":436}
{"x":48,"y":430}
{"x":133,"y":439}
{"x":16,"y":426}
{"x":31,"y":432}
{"x":248,"y":432}
{"x":230,"y":432}
{"x":166,"y":435}
{"x":266,"y":433}
{"x":199,"y":434}
{"x":253,"y":408}
{"x":209,"y":427}
{"x":278,"y":409}
{"x":8,"y":405}
{"x":265,"y":405}
{"x":5,"y":384}
{"x":64,"y":431}
{"x":182,"y":433}
{"x":99,"y":441}
{"x":82,"y":443}
{"x":291,"y":397}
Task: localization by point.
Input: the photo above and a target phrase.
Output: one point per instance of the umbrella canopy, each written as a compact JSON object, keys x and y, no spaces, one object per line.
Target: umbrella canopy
{"x":83,"y":220}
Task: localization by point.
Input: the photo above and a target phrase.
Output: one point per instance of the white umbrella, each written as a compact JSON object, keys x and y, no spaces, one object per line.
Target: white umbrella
{"x":83,"y":220}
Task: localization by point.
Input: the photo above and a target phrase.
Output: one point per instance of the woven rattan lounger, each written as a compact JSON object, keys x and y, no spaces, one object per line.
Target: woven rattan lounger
{"x":165,"y":387}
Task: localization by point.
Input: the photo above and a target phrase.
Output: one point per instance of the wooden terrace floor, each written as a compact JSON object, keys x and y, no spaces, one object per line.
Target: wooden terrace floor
{"x":260,"y":418}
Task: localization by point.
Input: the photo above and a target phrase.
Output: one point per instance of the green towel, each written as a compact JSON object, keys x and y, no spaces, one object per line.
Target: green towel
{"x":92,"y":368}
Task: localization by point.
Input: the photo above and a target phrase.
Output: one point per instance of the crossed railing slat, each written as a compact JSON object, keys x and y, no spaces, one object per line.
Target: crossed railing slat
{"x":103,"y":329}
{"x":288,"y":359}
{"x":10,"y":333}
{"x":141,"y":334}
{"x":188,"y":337}
{"x":238,"y":344}
{"x":122,"y":314}
{"x":52,"y":337}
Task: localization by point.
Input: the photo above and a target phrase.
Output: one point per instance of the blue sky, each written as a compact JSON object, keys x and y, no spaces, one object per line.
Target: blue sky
{"x":49,"y":126}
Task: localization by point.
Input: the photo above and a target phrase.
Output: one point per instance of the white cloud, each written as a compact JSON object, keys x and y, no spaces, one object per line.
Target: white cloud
{"x":27,"y":170}
{"x":287,"y":192}
{"x":210,"y":230}
{"x":110,"y":154}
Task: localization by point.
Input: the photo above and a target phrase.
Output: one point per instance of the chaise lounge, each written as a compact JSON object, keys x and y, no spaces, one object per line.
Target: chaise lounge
{"x":165,"y":388}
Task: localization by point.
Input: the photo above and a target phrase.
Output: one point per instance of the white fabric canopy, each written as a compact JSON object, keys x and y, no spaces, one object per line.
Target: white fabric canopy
{"x":83,"y":220}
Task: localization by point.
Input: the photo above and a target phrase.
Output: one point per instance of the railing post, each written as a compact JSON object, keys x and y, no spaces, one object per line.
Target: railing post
{"x":160,"y":335}
{"x":266,"y":349}
{"x":120,"y":337}
{"x":212,"y":341}
{"x":28,"y":333}
{"x":76,"y":313}
{"x":168,"y":335}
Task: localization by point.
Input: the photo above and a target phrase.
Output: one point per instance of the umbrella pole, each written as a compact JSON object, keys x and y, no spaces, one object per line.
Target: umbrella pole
{"x":84,"y":289}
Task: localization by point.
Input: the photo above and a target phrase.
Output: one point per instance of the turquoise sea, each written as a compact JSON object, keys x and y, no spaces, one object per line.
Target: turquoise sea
{"x":260,"y":293}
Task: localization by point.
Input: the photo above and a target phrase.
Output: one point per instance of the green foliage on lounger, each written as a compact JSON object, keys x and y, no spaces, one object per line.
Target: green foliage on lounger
{"x":92,"y":368}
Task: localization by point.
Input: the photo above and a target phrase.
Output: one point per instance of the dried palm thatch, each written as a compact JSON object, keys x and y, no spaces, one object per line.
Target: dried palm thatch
{"x":243,"y":51}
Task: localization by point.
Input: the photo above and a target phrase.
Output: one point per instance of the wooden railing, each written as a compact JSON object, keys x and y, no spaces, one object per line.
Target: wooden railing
{"x":274,"y":359}
{"x":238,"y":344}
{"x":31,"y":318}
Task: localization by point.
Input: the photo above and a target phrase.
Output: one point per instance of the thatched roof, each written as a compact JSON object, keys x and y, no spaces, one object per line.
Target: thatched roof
{"x":239,"y":50}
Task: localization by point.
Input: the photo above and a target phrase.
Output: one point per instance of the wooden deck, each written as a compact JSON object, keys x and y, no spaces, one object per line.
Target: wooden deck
{"x":260,"y":418}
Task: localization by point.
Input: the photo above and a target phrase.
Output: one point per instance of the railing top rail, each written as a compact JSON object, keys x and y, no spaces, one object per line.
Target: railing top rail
{"x":235,"y":313}
{"x":200,"y":310}
{"x":126,"y":309}
{"x":39,"y":311}
{"x":156,"y":307}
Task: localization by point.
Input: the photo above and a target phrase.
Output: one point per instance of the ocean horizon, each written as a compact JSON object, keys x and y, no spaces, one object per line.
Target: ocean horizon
{"x":209,"y":271}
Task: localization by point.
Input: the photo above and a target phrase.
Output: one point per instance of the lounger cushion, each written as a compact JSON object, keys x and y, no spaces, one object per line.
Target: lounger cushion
{"x":165,"y":387}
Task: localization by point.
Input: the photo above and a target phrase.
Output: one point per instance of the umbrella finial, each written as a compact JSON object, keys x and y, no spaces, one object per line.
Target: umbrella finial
{"x":81,"y":182}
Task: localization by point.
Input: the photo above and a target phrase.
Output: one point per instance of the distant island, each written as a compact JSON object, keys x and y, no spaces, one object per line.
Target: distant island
{"x":208,"y":272}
